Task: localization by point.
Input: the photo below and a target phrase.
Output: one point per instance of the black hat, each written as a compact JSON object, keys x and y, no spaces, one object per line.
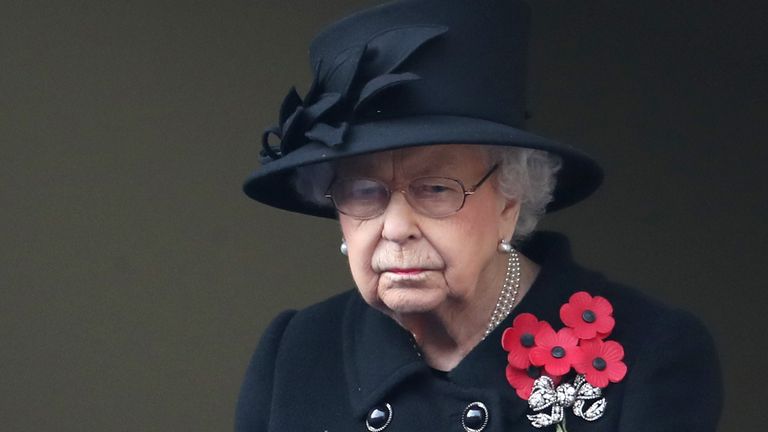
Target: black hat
{"x":412,"y":73}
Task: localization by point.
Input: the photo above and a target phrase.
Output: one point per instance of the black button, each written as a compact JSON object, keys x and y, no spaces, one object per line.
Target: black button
{"x":475,"y":417}
{"x":379,"y":418}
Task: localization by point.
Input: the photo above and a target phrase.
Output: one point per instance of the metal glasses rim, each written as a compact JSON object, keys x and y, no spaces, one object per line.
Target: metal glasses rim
{"x":466,"y":192}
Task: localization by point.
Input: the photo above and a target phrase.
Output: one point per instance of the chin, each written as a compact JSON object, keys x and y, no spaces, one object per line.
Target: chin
{"x":411,"y":300}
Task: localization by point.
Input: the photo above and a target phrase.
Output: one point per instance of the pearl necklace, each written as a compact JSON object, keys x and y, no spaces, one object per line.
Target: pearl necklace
{"x":508,"y":295}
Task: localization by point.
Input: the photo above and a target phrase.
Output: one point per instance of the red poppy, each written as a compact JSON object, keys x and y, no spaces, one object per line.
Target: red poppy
{"x":588,"y":316}
{"x":520,"y":338}
{"x":600,"y":362}
{"x":522,"y":379}
{"x":556,"y":351}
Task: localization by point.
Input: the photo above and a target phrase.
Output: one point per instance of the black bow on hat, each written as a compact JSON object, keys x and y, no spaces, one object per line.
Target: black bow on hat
{"x":343,"y":89}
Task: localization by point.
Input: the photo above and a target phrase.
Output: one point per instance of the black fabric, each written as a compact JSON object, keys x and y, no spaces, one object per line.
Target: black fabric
{"x":411,"y":73}
{"x":325,"y":367}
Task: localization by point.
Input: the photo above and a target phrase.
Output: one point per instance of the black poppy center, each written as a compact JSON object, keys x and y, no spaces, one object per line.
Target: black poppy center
{"x":599,"y":363}
{"x":558,"y":352}
{"x":588,"y":316}
{"x":533,"y":372}
{"x":526,"y":340}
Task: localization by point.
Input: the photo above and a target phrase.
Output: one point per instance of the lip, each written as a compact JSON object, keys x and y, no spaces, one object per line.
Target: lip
{"x":406,"y":271}
{"x":406,"y":275}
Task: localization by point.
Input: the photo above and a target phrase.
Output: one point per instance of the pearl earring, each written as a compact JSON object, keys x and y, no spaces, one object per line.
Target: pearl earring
{"x":343,"y":248}
{"x":505,"y":246}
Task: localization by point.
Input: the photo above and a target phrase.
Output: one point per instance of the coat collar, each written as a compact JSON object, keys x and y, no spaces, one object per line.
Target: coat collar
{"x":380,"y":355}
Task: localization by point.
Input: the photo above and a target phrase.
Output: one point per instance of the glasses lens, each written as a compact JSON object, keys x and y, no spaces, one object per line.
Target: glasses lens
{"x":359,"y":197}
{"x":436,"y":196}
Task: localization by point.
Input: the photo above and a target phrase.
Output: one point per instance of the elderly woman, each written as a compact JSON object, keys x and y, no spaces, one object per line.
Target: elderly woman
{"x":412,"y":136}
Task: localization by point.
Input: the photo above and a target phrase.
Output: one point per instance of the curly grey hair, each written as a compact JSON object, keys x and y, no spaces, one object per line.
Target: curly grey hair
{"x":526,"y":175}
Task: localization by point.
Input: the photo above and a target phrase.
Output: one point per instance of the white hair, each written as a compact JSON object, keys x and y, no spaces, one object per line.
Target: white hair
{"x":527,"y":176}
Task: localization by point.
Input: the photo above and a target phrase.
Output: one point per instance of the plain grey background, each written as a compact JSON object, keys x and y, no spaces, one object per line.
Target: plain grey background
{"x":136,"y":278}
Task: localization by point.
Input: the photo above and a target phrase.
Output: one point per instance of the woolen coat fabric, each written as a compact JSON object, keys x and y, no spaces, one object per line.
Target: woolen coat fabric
{"x":324,"y":368}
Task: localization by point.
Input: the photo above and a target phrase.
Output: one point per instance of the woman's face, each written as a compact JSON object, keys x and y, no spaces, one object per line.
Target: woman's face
{"x":405,"y":262}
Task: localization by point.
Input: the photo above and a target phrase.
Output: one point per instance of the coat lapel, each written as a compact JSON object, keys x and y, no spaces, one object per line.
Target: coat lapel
{"x":379,"y":354}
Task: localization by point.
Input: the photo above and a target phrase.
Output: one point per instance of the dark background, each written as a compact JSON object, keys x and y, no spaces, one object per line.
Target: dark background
{"x":136,"y":279}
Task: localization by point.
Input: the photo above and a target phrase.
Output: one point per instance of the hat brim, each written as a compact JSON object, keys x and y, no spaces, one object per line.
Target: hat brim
{"x":273,"y":184}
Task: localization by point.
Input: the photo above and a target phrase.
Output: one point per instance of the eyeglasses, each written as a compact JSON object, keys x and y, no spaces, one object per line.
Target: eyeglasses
{"x":366,"y":198}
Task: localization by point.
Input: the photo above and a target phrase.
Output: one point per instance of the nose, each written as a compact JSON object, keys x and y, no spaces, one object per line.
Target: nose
{"x":400,"y":220}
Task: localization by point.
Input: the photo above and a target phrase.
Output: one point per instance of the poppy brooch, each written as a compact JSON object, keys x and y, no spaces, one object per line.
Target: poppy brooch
{"x":540,"y":360}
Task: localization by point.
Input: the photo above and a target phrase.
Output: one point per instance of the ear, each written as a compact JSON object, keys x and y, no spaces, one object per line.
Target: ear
{"x":510,"y":212}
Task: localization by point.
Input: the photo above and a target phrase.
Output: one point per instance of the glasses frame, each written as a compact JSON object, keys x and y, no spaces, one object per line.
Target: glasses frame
{"x":467,"y":192}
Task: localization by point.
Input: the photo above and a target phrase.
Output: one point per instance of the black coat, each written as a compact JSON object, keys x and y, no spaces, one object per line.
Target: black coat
{"x":326,"y":367}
